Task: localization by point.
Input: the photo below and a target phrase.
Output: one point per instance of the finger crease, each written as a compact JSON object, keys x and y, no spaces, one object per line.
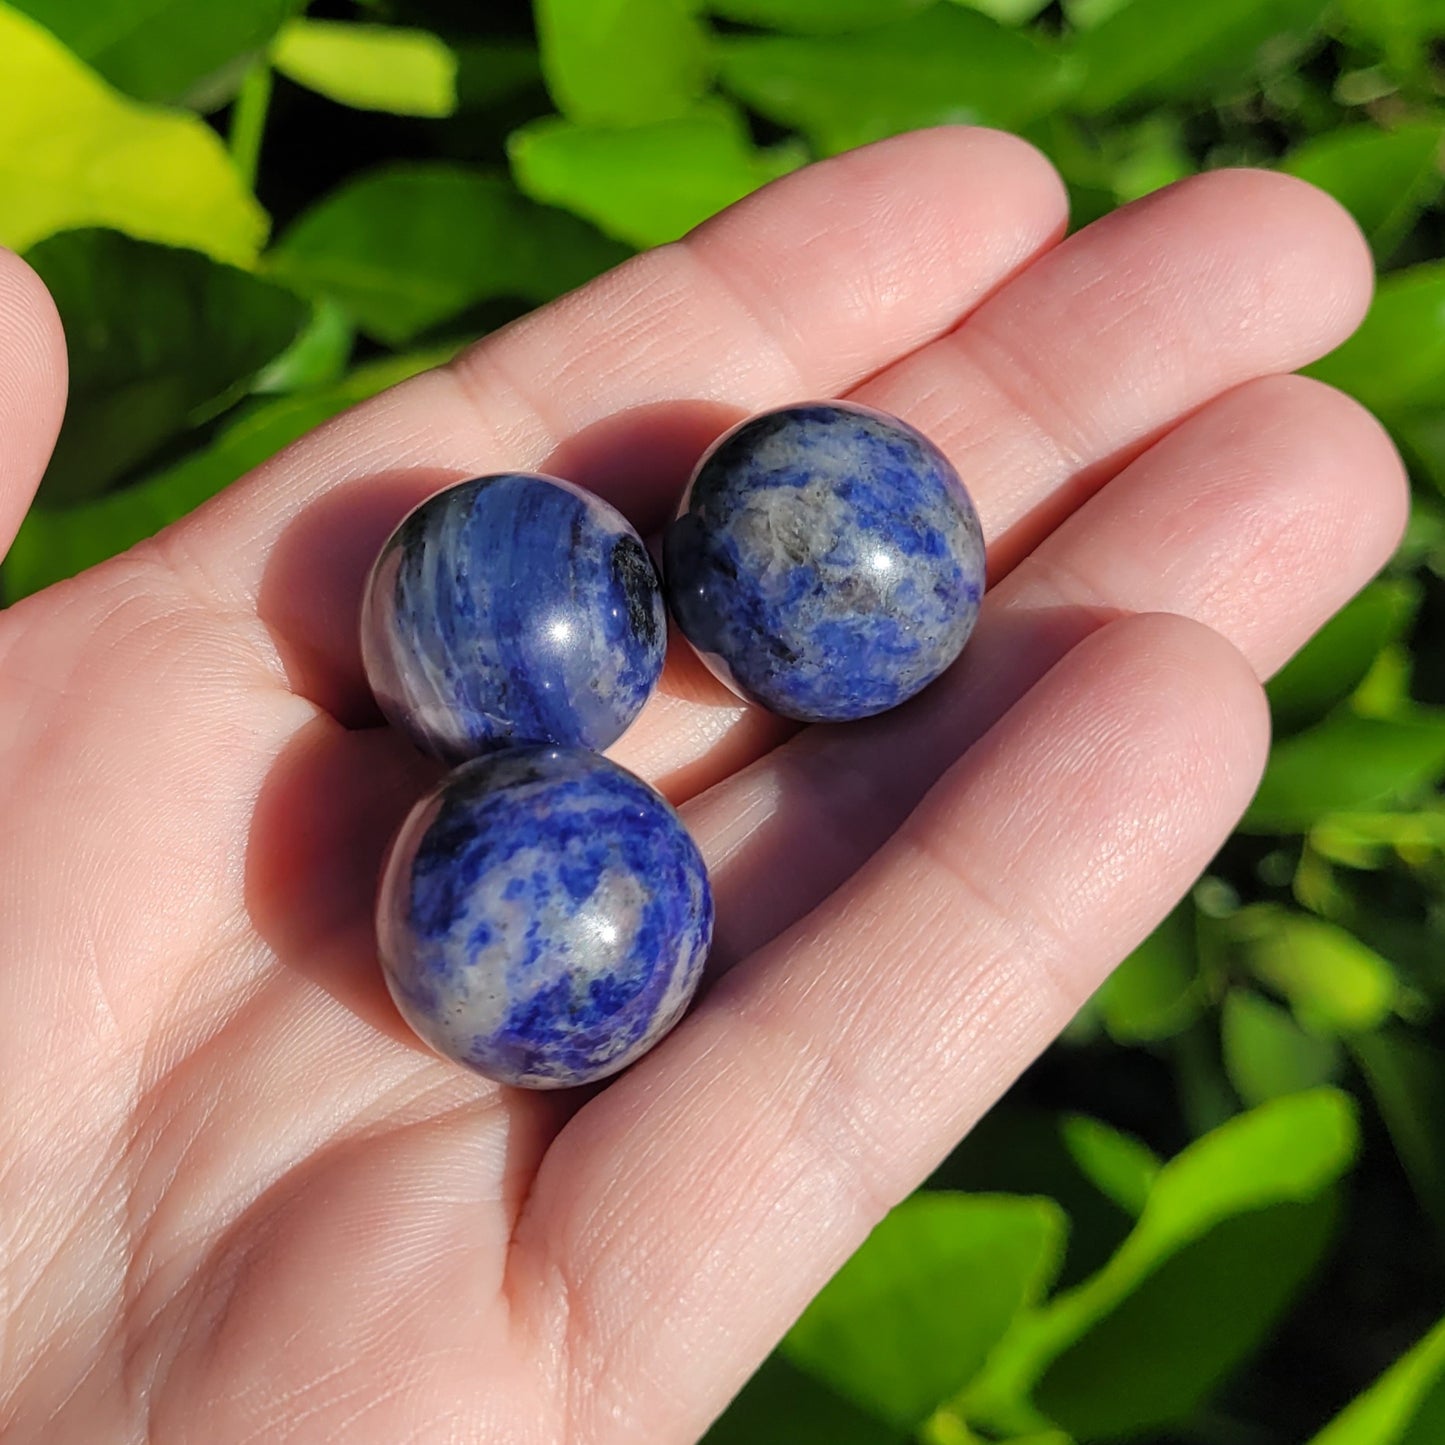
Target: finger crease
{"x":769,"y":326}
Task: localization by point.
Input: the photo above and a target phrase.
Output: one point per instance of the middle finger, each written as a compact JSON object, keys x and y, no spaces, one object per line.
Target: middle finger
{"x":1257,"y":517}
{"x":1073,"y":368}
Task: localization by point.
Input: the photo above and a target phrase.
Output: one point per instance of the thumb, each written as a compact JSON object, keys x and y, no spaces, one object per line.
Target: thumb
{"x":32,"y":388}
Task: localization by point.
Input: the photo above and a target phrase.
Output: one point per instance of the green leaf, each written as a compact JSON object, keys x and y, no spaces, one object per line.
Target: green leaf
{"x":910,"y":1319}
{"x":1396,"y":360}
{"x":1405,"y":1406}
{"x":1183,"y":1332}
{"x":1117,"y":1164}
{"x":1406,"y":1078}
{"x":403,"y":248}
{"x":947,"y":64}
{"x":1267,"y":1054}
{"x":645,"y":184}
{"x":74,"y":153}
{"x":1384,"y":691}
{"x":370,"y":67}
{"x":1232,"y":1227}
{"x":816,"y":17}
{"x":1344,"y":764}
{"x":1420,"y":436}
{"x":1022,"y":1151}
{"x":1287,"y":1151}
{"x":1384,"y":178}
{"x":1156,"y":991}
{"x":1402,"y":29}
{"x":1086,"y":14}
{"x":1006,"y":12}
{"x":55,"y":545}
{"x":1334,"y":983}
{"x":781,"y":1405}
{"x":622,"y":62}
{"x":492,"y":71}
{"x":159,"y":340}
{"x":1335,"y":661}
{"x":163,"y":50}
{"x":1358,"y":840}
{"x":317,"y":357}
{"x":1160,"y":49}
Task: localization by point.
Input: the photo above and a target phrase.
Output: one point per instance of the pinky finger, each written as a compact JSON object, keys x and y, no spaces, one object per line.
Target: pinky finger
{"x":32,"y":388}
{"x":730,"y":1173}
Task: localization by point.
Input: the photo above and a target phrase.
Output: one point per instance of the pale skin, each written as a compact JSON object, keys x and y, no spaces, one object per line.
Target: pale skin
{"x":239,"y":1204}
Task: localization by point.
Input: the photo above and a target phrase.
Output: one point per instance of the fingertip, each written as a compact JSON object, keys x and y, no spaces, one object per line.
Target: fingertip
{"x":1201,"y":693}
{"x":1321,"y":276}
{"x":944,"y":164}
{"x":944,"y":151}
{"x":31,"y":331}
{"x":32,"y":386}
{"x":1330,"y":429}
{"x":948,"y":214}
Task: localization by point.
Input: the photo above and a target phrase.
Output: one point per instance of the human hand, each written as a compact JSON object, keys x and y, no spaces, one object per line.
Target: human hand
{"x":239,"y":1203}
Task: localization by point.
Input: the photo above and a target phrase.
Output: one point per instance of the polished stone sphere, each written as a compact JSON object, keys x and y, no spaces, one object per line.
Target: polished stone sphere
{"x":508,"y":609}
{"x":543,"y":917}
{"x":826,"y":561}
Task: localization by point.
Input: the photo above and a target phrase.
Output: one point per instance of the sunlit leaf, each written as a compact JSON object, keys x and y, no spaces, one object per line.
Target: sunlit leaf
{"x":1396,"y":360}
{"x":1152,"y":49}
{"x":403,"y":248}
{"x":1117,"y":1164}
{"x":817,"y":17}
{"x":370,"y":67}
{"x":1086,"y":14}
{"x":1405,"y":1406}
{"x":1384,"y":178}
{"x":1267,"y":1053}
{"x":650,"y":183}
{"x":1155,"y":992}
{"x":1402,"y":29}
{"x":1335,"y":661}
{"x":1344,"y":764}
{"x":1332,"y":981}
{"x":945,"y":65}
{"x":1006,"y":12}
{"x":892,"y":1332}
{"x":163,"y":50}
{"x":317,"y":357}
{"x":1231,"y":1229}
{"x":1361,"y":840}
{"x":623,"y":62}
{"x":1180,"y":1335}
{"x":1017,"y":1150}
{"x":74,"y":153}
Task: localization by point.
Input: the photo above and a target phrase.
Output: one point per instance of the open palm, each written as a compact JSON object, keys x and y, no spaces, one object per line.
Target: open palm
{"x":239,"y":1203}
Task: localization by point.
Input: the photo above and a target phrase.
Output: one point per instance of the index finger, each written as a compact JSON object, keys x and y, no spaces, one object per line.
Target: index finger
{"x":803,"y":289}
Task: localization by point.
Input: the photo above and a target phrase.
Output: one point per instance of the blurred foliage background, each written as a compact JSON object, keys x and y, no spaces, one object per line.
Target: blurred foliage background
{"x":1215,"y":1212}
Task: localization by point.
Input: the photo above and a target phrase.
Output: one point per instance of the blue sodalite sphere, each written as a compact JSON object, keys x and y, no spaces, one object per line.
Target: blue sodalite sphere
{"x":826,"y":561}
{"x":508,"y":609}
{"x":543,"y":917}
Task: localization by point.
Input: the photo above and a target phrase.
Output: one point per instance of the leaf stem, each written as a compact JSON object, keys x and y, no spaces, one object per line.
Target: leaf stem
{"x":248,"y":119}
